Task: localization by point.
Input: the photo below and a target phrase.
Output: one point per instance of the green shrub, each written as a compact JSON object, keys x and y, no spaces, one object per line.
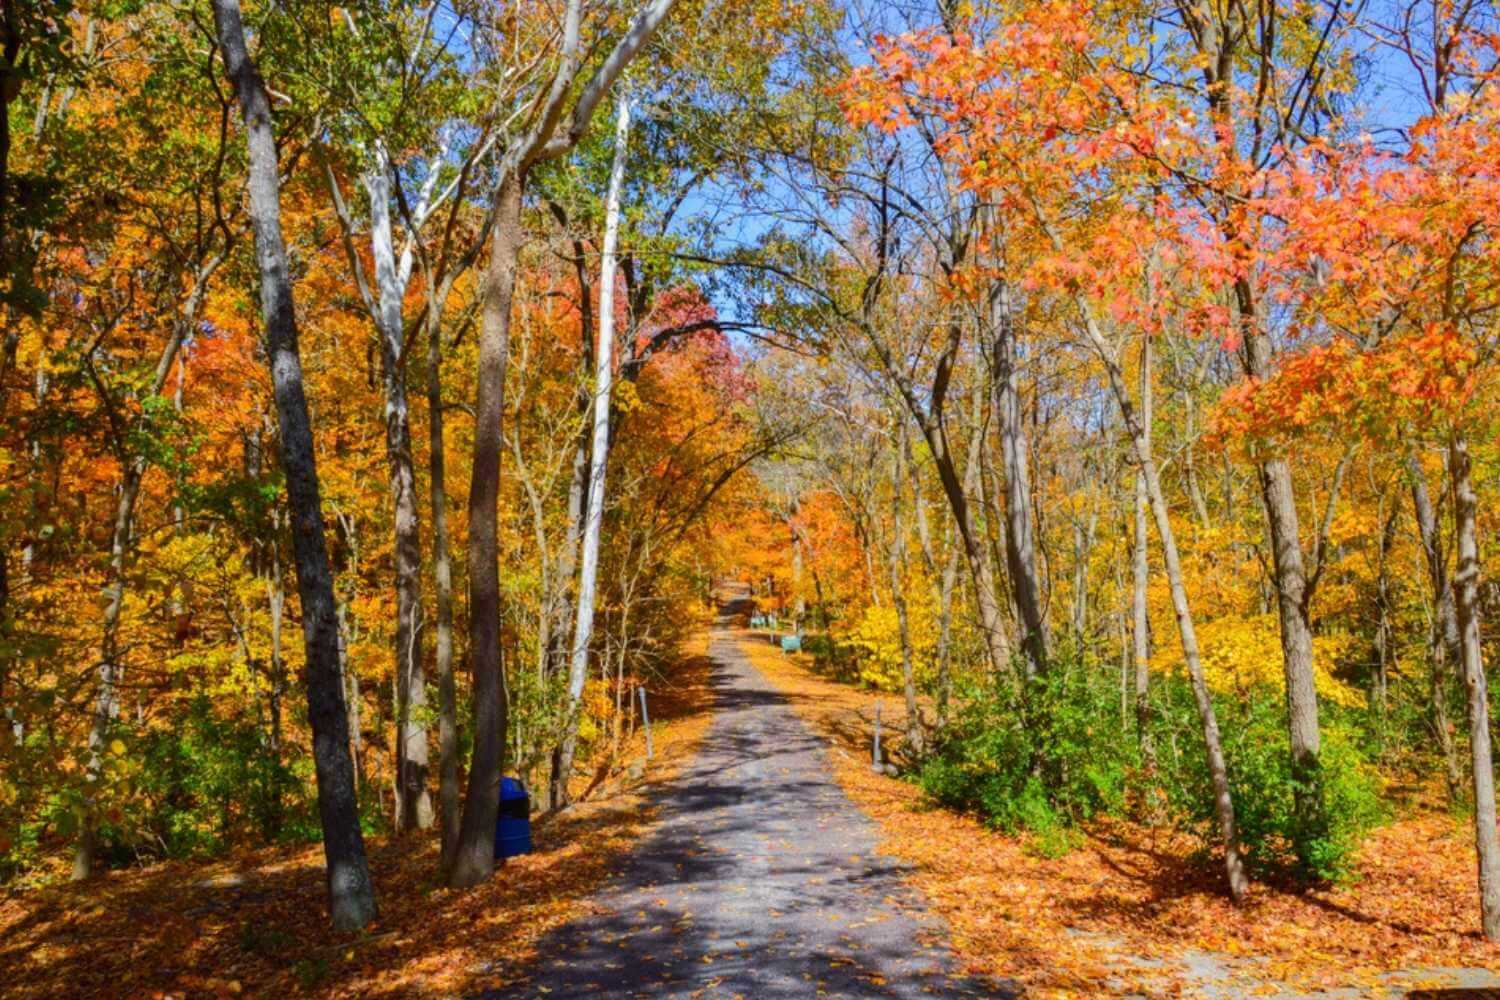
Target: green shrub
{"x":207,"y":783}
{"x":1258,"y":755}
{"x":1036,"y":764}
{"x":1063,"y":754}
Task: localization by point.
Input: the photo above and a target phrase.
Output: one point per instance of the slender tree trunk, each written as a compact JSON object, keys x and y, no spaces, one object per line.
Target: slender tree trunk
{"x":1084,"y":533}
{"x":1141,"y":628}
{"x":991,"y":622}
{"x":599,"y":457}
{"x":351,"y":896}
{"x":799,"y":606}
{"x":1292,"y":598}
{"x":276,"y":605}
{"x":1466,"y":606}
{"x":563,"y":608}
{"x":442,"y":583}
{"x":349,"y":684}
{"x":106,"y":705}
{"x":1190,"y":454}
{"x":1443,"y":638}
{"x":945,"y":634}
{"x":1384,"y":627}
{"x":1140,"y":621}
{"x":898,"y":565}
{"x":1020,"y":540}
{"x":1234,"y":867}
{"x":474,"y":858}
{"x":413,"y":799}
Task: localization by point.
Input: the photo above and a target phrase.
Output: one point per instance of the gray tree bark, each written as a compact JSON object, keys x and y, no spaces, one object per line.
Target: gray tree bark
{"x":442,"y":583}
{"x":474,"y":856}
{"x":1466,"y":607}
{"x":351,"y":896}
{"x":1443,"y":637}
{"x":1020,"y":539}
{"x":413,"y":798}
{"x":1140,"y":621}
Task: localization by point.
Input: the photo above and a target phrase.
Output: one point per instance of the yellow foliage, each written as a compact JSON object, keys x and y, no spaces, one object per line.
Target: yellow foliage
{"x":877,"y":638}
{"x":1240,"y":652}
{"x":597,"y":706}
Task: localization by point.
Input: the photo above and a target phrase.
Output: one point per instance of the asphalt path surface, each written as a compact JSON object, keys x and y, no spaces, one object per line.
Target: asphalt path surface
{"x":761,"y":879}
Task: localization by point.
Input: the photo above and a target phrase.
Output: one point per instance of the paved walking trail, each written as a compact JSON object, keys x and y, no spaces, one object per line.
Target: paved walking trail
{"x":762,"y":880}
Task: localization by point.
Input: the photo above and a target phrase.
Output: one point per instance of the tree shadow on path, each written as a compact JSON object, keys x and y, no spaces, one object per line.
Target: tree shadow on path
{"x":761,"y":880}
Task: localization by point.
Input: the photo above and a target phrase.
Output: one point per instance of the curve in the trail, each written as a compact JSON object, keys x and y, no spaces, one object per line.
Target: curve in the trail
{"x":762,"y":879}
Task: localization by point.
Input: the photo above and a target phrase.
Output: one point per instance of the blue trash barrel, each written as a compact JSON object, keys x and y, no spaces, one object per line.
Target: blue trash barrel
{"x":513,"y":822}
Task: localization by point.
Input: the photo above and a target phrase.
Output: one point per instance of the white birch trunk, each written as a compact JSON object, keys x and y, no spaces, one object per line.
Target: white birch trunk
{"x":588,"y":576}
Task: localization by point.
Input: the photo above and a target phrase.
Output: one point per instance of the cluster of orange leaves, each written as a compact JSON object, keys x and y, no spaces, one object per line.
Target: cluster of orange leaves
{"x":1134,"y":908}
{"x":1423,"y":381}
{"x":1047,"y":118}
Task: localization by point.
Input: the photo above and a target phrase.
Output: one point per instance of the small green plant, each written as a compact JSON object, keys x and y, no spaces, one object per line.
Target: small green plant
{"x":260,"y":940}
{"x":310,"y":971}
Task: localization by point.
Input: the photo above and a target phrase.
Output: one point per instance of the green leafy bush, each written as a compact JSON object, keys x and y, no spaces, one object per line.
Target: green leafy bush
{"x":1063,"y":754}
{"x":1257,"y":750}
{"x":1038,"y":762}
{"x":211,"y":782}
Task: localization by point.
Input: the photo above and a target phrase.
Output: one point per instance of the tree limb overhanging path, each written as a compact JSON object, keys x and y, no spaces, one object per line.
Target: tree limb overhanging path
{"x":762,"y":879}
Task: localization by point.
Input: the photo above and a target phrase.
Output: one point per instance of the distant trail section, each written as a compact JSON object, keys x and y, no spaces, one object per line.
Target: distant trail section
{"x":761,"y":880}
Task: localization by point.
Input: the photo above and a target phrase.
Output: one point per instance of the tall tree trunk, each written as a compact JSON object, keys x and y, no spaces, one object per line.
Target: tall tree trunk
{"x":351,"y":896}
{"x":349,"y":682}
{"x":561,"y":601}
{"x":945,"y":632}
{"x":1190,"y":445}
{"x":106,"y":705}
{"x":1384,"y":627}
{"x":1140,"y":626}
{"x":991,"y":622}
{"x":943,"y":574}
{"x":563,"y":606}
{"x":474,"y":857}
{"x":598,"y":458}
{"x":413,"y":799}
{"x":1084,"y":533}
{"x":1292,"y":599}
{"x":898,"y":566}
{"x":799,"y":605}
{"x":1020,"y":540}
{"x":1443,"y":637}
{"x":442,"y":583}
{"x":1466,"y":606}
{"x":1234,"y":868}
{"x":1139,"y":618}
{"x":276,"y":605}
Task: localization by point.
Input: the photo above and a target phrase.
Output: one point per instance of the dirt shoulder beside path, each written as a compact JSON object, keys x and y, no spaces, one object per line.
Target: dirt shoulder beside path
{"x":1132,"y":910}
{"x":256,"y":924}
